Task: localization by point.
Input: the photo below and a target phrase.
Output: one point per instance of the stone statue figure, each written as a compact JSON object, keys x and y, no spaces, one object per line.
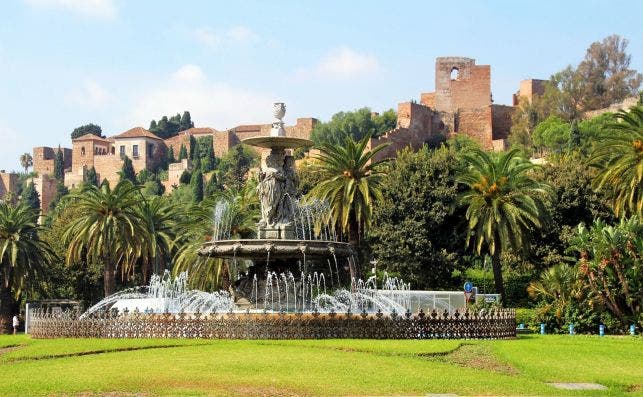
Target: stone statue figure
{"x":271,"y":189}
{"x":290,"y":191}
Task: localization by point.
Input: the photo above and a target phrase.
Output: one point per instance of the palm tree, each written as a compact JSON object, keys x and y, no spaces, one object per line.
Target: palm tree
{"x":239,"y":211}
{"x":558,"y":286}
{"x":619,"y":159}
{"x":504,"y":204}
{"x":110,"y":229}
{"x":351,"y":184}
{"x":26,"y":161}
{"x":160,"y":218}
{"x":22,"y":255}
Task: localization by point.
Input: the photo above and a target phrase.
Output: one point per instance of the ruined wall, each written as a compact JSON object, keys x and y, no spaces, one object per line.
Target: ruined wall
{"x":45,"y":185}
{"x":529,"y":89}
{"x":476,"y":123}
{"x":501,"y":120}
{"x":224,"y":141}
{"x":44,"y":158}
{"x":471,"y":88}
{"x":625,"y":104}
{"x":8,"y":183}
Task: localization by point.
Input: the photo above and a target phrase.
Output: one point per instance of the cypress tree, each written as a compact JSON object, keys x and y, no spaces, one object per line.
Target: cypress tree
{"x":212,"y":186}
{"x":91,"y":177}
{"x":127,"y":171}
{"x":197,"y":186}
{"x":183,"y":153}
{"x":30,"y":196}
{"x":193,"y":151}
{"x":169,"y":156}
{"x":59,"y":166}
{"x":574,"y":136}
{"x":153,"y":126}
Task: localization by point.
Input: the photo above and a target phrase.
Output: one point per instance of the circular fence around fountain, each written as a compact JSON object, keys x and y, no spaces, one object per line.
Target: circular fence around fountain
{"x":492,"y":324}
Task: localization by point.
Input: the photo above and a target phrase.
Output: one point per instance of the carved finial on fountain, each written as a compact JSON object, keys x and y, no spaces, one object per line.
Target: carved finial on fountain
{"x":279,"y":111}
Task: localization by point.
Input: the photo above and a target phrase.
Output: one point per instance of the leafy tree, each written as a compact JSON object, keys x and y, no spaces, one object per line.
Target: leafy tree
{"x":22,"y":255}
{"x":417,"y":230}
{"x":213,"y":186}
{"x":552,"y":134}
{"x":235,"y":165}
{"x":26,"y":161}
{"x":572,"y":201}
{"x":127,"y":172}
{"x":30,"y":197}
{"x":185,"y":177}
{"x":108,"y":230}
{"x":59,"y":166}
{"x":504,"y":204}
{"x":186,"y":121}
{"x":351,"y":185}
{"x":197,"y":186}
{"x":356,"y":124}
{"x":619,"y":159}
{"x":169,"y":127}
{"x":183,"y":152}
{"x":153,"y":188}
{"x":611,"y":266}
{"x":91,"y":177}
{"x":603,"y":77}
{"x":86,"y":129}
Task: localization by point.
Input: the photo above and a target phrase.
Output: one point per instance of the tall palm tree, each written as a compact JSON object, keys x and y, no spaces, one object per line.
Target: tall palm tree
{"x":110,"y":229}
{"x":22,"y":255}
{"x":239,"y":213}
{"x":26,"y":161}
{"x":619,"y":159}
{"x":351,"y":184}
{"x":504,"y":204}
{"x":160,"y":217}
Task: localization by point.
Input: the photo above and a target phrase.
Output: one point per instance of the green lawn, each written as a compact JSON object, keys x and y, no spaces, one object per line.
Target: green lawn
{"x":31,"y":367}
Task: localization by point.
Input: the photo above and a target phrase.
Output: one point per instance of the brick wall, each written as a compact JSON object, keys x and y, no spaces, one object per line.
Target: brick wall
{"x":46,"y":187}
{"x":501,"y":120}
{"x":107,"y":167}
{"x":476,"y":123}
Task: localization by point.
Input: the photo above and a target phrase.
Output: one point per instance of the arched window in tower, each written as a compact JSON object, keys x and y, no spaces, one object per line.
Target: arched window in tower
{"x":82,"y":151}
{"x":455,"y":73}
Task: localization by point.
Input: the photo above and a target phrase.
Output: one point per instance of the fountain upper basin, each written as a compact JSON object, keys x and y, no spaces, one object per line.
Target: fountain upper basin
{"x":258,"y":249}
{"x":272,"y":142}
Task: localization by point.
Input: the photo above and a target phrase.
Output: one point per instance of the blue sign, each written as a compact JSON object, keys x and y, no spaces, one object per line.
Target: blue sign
{"x":468,"y":286}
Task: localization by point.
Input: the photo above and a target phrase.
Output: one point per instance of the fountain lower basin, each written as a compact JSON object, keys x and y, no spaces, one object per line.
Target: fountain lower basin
{"x":261,"y":249}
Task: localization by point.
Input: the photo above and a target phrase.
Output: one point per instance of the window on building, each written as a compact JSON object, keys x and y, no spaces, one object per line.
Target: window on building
{"x":82,"y":151}
{"x":121,"y":150}
{"x":150,"y":150}
{"x":135,"y":151}
{"x":113,"y":150}
{"x":455,"y":73}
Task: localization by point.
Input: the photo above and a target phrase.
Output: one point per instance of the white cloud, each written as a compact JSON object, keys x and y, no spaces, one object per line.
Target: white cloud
{"x":341,"y":63}
{"x":212,"y":104}
{"x":92,"y":95}
{"x":104,"y":9}
{"x":189,"y":73}
{"x":217,"y":38}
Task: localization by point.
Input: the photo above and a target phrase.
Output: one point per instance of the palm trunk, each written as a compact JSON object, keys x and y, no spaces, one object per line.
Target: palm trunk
{"x":109,"y":273}
{"x":497,"y":275}
{"x":354,"y":240}
{"x":6,"y":309}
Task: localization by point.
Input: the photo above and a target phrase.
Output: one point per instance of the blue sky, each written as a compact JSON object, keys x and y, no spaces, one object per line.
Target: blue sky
{"x":117,"y":63}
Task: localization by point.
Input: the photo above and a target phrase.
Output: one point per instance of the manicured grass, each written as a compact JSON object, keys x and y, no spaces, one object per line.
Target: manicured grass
{"x":320,"y":367}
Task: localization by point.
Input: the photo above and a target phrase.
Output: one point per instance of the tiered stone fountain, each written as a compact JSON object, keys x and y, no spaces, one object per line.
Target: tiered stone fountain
{"x":282,"y":242}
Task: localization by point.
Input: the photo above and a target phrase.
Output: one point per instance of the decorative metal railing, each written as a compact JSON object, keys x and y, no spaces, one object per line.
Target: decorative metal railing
{"x":492,"y":324}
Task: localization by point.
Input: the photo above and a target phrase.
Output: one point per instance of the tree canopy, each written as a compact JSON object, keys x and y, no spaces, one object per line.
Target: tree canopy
{"x":356,"y":124}
{"x":169,"y":127}
{"x":86,"y":129}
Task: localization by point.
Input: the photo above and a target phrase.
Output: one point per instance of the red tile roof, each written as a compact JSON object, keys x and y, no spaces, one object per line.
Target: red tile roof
{"x":90,"y":137}
{"x":137,"y":132}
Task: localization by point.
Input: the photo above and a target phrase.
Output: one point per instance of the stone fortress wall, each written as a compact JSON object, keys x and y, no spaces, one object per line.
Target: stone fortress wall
{"x":461,"y":104}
